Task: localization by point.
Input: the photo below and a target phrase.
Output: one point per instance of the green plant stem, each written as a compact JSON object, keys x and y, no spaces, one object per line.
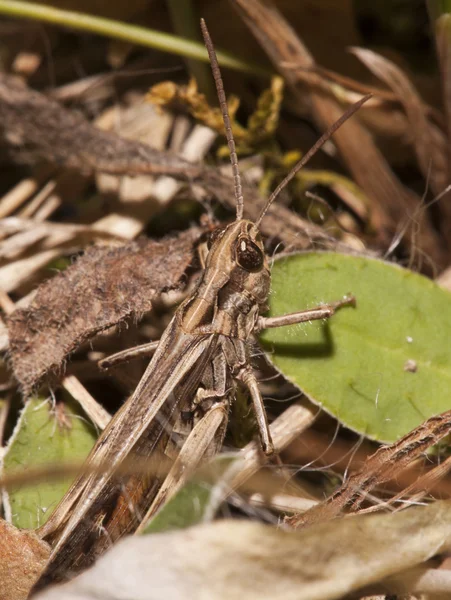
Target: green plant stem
{"x":123,"y":31}
{"x":186,"y":24}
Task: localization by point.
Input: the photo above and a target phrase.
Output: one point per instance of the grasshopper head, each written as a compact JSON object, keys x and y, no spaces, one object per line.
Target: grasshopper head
{"x":237,"y":252}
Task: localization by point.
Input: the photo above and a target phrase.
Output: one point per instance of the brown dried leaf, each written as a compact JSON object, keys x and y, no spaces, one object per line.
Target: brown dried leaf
{"x":385,"y":464}
{"x":104,"y":287}
{"x":230,"y":560}
{"x":431,"y":482}
{"x":261,"y":125}
{"x":23,"y":557}
{"x":35,"y":128}
{"x":167,"y":93}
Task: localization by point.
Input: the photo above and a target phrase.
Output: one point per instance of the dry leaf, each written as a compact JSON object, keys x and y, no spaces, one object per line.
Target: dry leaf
{"x":22,"y":558}
{"x":385,"y":464}
{"x":261,"y":126}
{"x":238,"y":559}
{"x":167,"y":93}
{"x":102,"y":288}
{"x":35,"y":128}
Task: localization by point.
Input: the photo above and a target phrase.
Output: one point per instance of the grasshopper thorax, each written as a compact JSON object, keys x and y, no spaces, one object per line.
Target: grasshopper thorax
{"x":234,"y":285}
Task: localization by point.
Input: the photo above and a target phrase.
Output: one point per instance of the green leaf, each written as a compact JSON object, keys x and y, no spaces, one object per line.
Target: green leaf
{"x":187,"y":507}
{"x":356,"y":365}
{"x":41,"y":438}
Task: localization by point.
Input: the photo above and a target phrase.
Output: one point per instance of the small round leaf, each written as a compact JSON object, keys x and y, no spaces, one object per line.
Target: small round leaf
{"x":381,"y":368}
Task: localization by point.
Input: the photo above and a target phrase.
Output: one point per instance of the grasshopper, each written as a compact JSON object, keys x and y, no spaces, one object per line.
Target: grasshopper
{"x":202,"y":354}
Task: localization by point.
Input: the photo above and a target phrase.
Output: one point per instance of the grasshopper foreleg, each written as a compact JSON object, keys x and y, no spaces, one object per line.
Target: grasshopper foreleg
{"x":324,"y":311}
{"x":142,"y":351}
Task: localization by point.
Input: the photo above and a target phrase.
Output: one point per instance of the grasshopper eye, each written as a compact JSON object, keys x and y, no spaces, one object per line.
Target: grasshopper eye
{"x":248,"y":255}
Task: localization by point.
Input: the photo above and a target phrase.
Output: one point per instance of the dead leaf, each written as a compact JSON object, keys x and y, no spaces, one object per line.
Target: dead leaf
{"x":23,"y":557}
{"x":167,"y":93}
{"x":261,"y":125}
{"x":104,"y":287}
{"x":35,"y":128}
{"x":239,"y":559}
{"x":385,"y":464}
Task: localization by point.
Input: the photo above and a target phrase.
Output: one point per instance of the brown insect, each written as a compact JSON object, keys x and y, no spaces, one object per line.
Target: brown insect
{"x":203,"y":353}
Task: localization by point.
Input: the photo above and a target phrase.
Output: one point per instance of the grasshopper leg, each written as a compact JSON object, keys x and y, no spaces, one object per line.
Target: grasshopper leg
{"x":248,"y":378}
{"x":321,"y":312}
{"x":193,"y":451}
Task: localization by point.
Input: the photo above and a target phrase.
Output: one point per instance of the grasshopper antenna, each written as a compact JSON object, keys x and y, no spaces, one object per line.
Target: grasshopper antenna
{"x":225,"y":117}
{"x":313,"y":150}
